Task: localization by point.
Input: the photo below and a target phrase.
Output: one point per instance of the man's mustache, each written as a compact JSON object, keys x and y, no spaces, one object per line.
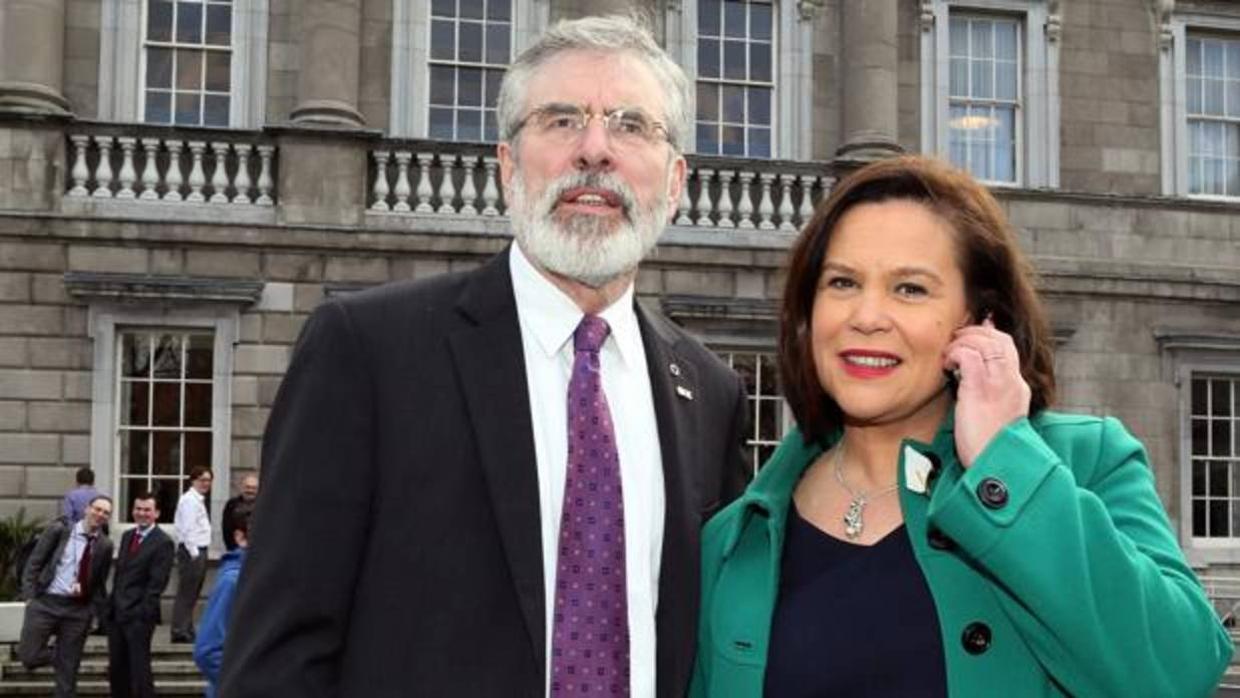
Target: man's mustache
{"x":590,"y":180}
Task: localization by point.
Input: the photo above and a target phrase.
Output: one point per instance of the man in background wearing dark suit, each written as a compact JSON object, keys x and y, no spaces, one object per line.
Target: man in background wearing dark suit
{"x":143,"y":566}
{"x":452,"y":465}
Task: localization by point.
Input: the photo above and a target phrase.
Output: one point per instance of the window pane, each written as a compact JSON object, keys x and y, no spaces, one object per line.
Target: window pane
{"x":189,"y":69}
{"x":497,"y":43}
{"x":470,"y":87}
{"x":1233,"y":98}
{"x":499,"y":10}
{"x":980,"y":36}
{"x":1217,"y":479}
{"x":1220,"y":398}
{"x":1005,"y":80}
{"x":759,"y":143}
{"x":1199,"y":518}
{"x":470,"y":9}
{"x":166,"y":409}
{"x":469,"y":46}
{"x":959,"y":72}
{"x":158,"y":107}
{"x":733,"y":104}
{"x":441,"y":124}
{"x":759,"y":105}
{"x":219,"y":25}
{"x":198,"y":404}
{"x":215,"y":110}
{"x":1201,"y":437}
{"x":1005,"y":145}
{"x":708,"y":58}
{"x":197,"y":450}
{"x":443,"y":40}
{"x":707,"y":102}
{"x":1218,"y":519}
{"x":760,"y":62}
{"x":958,"y":37}
{"x":490,"y":126}
{"x":159,"y":68}
{"x":494,"y":78}
{"x":1193,"y":57}
{"x":135,"y":449}
{"x":188,"y":109}
{"x":1193,"y":88}
{"x":159,"y":20}
{"x":1213,"y":58}
{"x":166,"y":453}
{"x":443,"y":8}
{"x":1005,"y":41}
{"x":708,"y":139}
{"x":760,"y":22}
{"x":135,"y":403}
{"x":469,"y":125}
{"x":1199,"y":396}
{"x":734,"y":60}
{"x":733,"y":141}
{"x":219,"y":67}
{"x":734,"y":18}
{"x":983,"y":79}
{"x":709,"y":12}
{"x":1214,"y":95}
{"x":1220,"y":437}
{"x":1199,"y":479}
{"x":443,"y":85}
{"x":189,"y":22}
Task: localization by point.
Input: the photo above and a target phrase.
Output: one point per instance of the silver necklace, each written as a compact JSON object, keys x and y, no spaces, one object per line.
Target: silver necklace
{"x":854,"y":523}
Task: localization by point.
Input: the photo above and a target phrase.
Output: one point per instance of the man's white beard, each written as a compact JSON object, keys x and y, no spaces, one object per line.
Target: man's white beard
{"x":584,"y":248}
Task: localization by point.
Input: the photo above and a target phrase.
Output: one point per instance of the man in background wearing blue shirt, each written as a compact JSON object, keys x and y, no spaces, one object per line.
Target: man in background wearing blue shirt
{"x":209,"y":645}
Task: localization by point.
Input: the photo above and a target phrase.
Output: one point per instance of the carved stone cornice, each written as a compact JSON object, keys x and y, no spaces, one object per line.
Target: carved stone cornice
{"x":91,"y":286}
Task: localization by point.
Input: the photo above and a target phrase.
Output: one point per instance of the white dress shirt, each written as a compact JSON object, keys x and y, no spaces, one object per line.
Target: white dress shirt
{"x":192,"y":524}
{"x":64,"y":583}
{"x":548,"y":318}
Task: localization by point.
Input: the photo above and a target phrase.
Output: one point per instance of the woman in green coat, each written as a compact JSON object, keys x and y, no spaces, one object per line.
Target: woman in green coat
{"x":931,"y":528}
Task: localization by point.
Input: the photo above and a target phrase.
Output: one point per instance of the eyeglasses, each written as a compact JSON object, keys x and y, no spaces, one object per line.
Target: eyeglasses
{"x":566,"y":123}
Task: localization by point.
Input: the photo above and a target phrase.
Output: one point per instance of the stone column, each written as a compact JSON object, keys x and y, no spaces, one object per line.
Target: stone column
{"x":871,"y":65}
{"x":32,"y":49}
{"x":327,"y":87}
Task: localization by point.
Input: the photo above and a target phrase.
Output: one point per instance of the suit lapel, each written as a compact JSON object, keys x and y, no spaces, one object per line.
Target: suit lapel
{"x":490,"y":364}
{"x":673,"y":385}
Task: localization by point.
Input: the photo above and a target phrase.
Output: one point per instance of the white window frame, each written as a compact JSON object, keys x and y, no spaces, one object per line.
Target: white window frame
{"x":754,"y":403}
{"x":121,"y":62}
{"x":1173,"y":84}
{"x":744,"y":84}
{"x":103,"y":321}
{"x":1038,"y":137}
{"x":792,"y":70}
{"x":409,"y":109}
{"x":172,"y":45}
{"x":1232,"y":375}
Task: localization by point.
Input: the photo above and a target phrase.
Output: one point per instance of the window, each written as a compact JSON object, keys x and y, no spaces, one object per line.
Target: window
{"x":990,"y":89}
{"x":187,"y":59}
{"x":1215,"y":451}
{"x":184,"y":62}
{"x":1212,"y":77}
{"x":769,"y":416}
{"x":164,"y":391}
{"x":471,"y":45}
{"x":735,"y":87}
{"x":984,"y":96}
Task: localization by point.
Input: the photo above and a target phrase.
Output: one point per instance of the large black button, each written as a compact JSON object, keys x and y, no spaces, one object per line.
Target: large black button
{"x":939,"y":540}
{"x":993,"y":493}
{"x":976,"y":638}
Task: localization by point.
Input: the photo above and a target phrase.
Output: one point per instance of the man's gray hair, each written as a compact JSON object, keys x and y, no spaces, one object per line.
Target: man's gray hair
{"x":618,"y":33}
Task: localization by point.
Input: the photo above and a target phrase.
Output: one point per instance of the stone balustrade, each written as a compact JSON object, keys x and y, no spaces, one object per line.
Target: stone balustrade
{"x":143,"y":162}
{"x":462,"y":179}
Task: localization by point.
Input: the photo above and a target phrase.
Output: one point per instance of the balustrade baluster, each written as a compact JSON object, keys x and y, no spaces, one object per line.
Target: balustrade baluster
{"x":80,"y":172}
{"x":219,"y":177}
{"x":447,"y":188}
{"x":725,"y":199}
{"x":402,"y":191}
{"x":685,"y":204}
{"x":425,"y":191}
{"x":103,"y":172}
{"x":381,"y":184}
{"x":490,"y":192}
{"x":469,"y":193}
{"x":150,"y":170}
{"x":765,"y":208}
{"x":128,"y":175}
{"x":265,"y":154}
{"x":241,"y":183}
{"x":704,"y":207}
{"x":785,"y":202}
{"x":807,"y":201}
{"x":196,"y":176}
{"x":172,"y":178}
{"x":746,"y":206}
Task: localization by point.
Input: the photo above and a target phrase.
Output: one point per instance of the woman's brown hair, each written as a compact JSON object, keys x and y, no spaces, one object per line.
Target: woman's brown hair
{"x":998,"y":278}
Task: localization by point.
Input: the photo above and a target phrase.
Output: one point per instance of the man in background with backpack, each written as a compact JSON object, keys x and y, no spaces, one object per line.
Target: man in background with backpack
{"x":64,"y":582}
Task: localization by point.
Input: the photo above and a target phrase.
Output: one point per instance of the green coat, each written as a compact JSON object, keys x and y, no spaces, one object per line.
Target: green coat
{"x":1076,"y":572}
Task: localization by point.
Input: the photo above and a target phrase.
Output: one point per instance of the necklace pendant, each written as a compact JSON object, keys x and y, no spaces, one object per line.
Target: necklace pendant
{"x":853,"y":523}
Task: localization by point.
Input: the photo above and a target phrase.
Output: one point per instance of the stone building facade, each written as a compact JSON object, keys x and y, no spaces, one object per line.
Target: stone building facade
{"x":182,"y":182}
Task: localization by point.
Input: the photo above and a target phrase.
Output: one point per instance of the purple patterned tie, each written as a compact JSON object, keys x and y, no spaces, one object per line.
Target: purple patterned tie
{"x":590,"y":640}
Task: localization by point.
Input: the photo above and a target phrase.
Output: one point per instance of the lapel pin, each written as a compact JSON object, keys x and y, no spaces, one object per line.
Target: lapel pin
{"x":684,"y":392}
{"x":917,"y":470}
{"x":675,"y":369}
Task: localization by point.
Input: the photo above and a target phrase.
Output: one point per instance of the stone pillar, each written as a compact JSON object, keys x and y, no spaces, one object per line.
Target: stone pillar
{"x":331,"y":49}
{"x":871,"y":72}
{"x":32,"y":49}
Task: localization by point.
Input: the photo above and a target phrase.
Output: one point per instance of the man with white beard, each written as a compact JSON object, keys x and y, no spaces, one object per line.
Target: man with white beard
{"x":491,"y":483}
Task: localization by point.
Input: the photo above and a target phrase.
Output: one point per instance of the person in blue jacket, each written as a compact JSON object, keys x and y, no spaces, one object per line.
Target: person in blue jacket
{"x":213,"y":629}
{"x":932,"y":528}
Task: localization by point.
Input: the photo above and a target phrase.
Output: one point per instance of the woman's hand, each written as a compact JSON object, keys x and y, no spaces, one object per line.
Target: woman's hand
{"x":991,"y":392}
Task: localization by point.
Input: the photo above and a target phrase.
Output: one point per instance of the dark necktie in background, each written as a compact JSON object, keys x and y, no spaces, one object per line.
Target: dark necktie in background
{"x":83,"y":575}
{"x":590,"y":630}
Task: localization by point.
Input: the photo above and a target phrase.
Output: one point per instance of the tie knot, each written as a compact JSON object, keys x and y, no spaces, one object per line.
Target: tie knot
{"x":590,"y":334}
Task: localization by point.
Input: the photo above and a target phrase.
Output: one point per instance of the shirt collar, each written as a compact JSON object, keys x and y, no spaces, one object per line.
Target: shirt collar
{"x":550,"y":316}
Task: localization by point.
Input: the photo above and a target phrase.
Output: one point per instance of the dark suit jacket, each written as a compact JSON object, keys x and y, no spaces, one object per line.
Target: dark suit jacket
{"x":396,"y":550}
{"x":41,"y":568}
{"x":139,"y":580}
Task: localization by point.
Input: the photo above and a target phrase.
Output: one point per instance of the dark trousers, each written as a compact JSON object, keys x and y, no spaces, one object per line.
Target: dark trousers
{"x":190,"y":574}
{"x":129,"y":659}
{"x":69,"y":620}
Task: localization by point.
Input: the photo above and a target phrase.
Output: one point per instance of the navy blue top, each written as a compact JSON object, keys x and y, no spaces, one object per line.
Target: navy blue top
{"x":852,"y":620}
